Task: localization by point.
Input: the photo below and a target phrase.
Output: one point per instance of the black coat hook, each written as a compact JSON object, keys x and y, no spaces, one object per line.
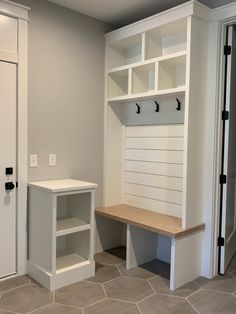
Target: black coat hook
{"x":157,"y":107}
{"x":138,"y":109}
{"x":178,"y":108}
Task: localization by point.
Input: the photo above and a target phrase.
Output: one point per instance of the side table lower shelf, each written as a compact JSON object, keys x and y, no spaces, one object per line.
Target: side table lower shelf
{"x":63,"y":276}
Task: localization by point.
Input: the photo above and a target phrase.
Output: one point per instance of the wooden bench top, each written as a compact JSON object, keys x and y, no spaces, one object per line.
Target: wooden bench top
{"x":159,"y":223}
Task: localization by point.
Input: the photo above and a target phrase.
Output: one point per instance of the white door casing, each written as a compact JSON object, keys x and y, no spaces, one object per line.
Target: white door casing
{"x":229,"y":164}
{"x":7,"y":159}
{"x":13,"y":51}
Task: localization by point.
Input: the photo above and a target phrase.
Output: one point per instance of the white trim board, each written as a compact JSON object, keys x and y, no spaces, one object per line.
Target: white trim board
{"x":21,"y":13}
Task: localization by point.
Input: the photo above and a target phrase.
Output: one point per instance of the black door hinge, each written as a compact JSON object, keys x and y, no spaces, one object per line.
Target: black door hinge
{"x":227,"y":50}
{"x":225,"y":115}
{"x":220,"y":241}
{"x":16,"y":184}
{"x":222,"y":179}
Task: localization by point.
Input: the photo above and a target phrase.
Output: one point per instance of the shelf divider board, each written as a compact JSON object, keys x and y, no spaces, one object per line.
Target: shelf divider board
{"x":70,"y":225}
{"x":130,"y":81}
{"x":181,"y":53}
{"x":143,"y":56}
{"x":150,"y":94}
{"x":156,"y":75}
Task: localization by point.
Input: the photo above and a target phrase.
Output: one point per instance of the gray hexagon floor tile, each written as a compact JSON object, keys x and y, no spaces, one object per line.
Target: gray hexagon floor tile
{"x":234,"y":274}
{"x":232,"y":265}
{"x":128,"y":289}
{"x":25,"y":299}
{"x":4,"y":312}
{"x":104,"y":273}
{"x":80,"y":294}
{"x":58,"y":309}
{"x":161,"y":304}
{"x":212,"y":302}
{"x":145,"y":271}
{"x":162,"y":285}
{"x":109,"y":306}
{"x":224,"y":283}
{"x":13,"y":283}
{"x":114,"y":256}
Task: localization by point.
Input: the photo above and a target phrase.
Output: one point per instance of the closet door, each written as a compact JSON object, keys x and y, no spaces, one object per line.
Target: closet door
{"x":228,"y":218}
{"x":7,"y":160}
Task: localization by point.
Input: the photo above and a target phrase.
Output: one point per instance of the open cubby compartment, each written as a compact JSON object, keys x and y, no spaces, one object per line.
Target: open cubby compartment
{"x":73,"y":249}
{"x":172,"y":73}
{"x":143,"y":78}
{"x":118,"y":83}
{"x":125,"y":51}
{"x":167,"y":39}
{"x":73,"y":212}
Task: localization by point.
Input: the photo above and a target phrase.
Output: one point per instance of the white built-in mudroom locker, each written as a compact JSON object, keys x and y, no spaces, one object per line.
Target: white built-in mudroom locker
{"x":168,"y":188}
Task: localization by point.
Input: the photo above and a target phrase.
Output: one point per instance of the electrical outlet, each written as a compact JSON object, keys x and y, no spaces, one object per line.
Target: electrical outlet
{"x":33,"y":160}
{"x":52,"y":160}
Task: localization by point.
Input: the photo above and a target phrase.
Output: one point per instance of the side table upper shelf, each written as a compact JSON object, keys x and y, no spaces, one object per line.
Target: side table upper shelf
{"x":66,"y":185}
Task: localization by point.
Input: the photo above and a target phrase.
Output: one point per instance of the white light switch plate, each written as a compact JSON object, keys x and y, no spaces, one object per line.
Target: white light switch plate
{"x":52,"y":160}
{"x":33,"y":160}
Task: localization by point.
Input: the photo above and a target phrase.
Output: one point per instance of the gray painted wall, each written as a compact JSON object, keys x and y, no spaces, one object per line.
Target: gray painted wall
{"x":66,"y":93}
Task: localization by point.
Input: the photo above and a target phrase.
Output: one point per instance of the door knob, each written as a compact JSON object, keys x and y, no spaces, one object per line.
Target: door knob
{"x":9,"y":186}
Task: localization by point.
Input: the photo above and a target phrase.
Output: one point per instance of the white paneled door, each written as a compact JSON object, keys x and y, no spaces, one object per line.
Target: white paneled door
{"x":8,"y":105}
{"x":228,"y":221}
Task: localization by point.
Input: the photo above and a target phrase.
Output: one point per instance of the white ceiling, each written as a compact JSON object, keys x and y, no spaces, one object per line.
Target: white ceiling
{"x":122,"y":12}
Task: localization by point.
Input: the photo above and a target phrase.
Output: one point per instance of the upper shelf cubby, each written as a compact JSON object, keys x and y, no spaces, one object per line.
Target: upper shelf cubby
{"x":125,"y":51}
{"x":165,"y":40}
{"x":172,"y":73}
{"x":147,"y":64}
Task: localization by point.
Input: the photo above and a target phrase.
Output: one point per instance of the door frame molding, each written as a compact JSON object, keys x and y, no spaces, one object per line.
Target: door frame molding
{"x":219,"y":104}
{"x":20,"y":13}
{"x":22,"y":147}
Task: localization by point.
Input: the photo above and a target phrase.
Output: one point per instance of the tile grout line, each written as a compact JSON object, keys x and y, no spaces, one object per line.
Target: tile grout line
{"x":120,"y":300}
{"x":197,"y":284}
{"x":108,"y":281}
{"x":92,"y":304}
{"x":104,"y":290}
{"x":189,"y":296}
{"x":169,"y":295}
{"x":94,"y":282}
{"x":107,"y":264}
{"x":218,"y":291}
{"x":153,"y":277}
{"x":69,"y":306}
{"x":11,"y":312}
{"x":192,"y":306}
{"x":12,"y":289}
{"x":151,"y":286}
{"x":40,"y":308}
{"x":118,"y":269}
{"x":139,"y":309}
{"x":151,"y":295}
{"x":141,"y":279}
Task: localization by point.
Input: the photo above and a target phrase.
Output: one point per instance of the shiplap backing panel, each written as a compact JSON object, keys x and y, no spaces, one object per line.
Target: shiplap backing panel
{"x":163,"y":143}
{"x":169,"y":183}
{"x":164,"y":156}
{"x":155,"y":131}
{"x":170,"y":170}
{"x":153,"y":172}
{"x":158,"y":194}
{"x":157,"y":206}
